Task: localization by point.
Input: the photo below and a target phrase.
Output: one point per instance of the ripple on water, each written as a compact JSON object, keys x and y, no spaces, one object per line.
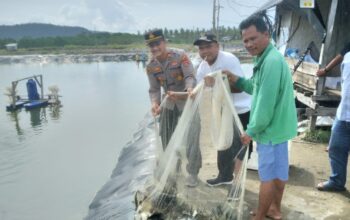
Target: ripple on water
{"x":14,"y":155}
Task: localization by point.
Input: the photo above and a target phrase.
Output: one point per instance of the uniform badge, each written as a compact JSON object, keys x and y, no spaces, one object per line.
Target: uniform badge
{"x":157,"y":69}
{"x":179,"y":77}
{"x":160,"y":79}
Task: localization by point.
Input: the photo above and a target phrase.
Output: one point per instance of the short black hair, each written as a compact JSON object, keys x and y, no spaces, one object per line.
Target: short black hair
{"x":257,"y":21}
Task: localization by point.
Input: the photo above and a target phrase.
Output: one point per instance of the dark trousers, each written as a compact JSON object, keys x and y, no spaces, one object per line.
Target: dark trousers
{"x":225,"y":158}
{"x":168,"y":121}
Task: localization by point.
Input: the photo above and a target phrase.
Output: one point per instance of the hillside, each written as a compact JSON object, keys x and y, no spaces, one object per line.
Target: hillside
{"x":37,"y":30}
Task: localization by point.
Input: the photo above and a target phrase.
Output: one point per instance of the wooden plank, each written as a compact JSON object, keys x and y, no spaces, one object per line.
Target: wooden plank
{"x":329,"y":95}
{"x":306,"y":100}
{"x":325,"y":98}
{"x":303,"y":89}
{"x":306,"y":80}
{"x":321,"y":111}
{"x":334,"y":92}
{"x":320,"y":82}
{"x":306,"y":75}
{"x":305,"y":67}
{"x":312,"y":124}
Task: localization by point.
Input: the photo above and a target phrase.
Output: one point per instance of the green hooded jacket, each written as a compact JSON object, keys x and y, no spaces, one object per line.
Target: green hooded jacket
{"x":273,"y":114}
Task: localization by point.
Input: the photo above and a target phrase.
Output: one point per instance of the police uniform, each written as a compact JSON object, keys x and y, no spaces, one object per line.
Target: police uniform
{"x":176,"y":74}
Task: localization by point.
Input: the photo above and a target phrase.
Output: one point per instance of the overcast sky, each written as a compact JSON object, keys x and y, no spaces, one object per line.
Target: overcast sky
{"x":125,"y":15}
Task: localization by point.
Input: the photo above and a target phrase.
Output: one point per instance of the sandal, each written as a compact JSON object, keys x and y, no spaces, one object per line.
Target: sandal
{"x":326,"y":186}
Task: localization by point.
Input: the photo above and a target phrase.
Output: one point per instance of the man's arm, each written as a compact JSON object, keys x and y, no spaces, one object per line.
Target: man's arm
{"x":188,"y":71}
{"x":239,"y":83}
{"x":334,"y":62}
{"x":266,"y":98}
{"x":154,"y":93}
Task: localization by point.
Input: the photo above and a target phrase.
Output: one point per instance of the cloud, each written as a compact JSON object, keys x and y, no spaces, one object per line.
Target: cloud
{"x":111,"y":15}
{"x":124,"y":15}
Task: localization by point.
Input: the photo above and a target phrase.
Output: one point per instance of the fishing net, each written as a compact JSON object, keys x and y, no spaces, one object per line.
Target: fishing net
{"x":187,"y":147}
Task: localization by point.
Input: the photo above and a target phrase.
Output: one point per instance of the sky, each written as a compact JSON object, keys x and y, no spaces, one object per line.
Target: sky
{"x":128,"y":16}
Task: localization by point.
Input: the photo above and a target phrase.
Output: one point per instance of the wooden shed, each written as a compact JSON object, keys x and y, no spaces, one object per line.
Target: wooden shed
{"x":317,"y":33}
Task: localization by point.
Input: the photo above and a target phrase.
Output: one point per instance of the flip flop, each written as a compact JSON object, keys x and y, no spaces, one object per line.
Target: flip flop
{"x":326,"y":186}
{"x":253,"y":213}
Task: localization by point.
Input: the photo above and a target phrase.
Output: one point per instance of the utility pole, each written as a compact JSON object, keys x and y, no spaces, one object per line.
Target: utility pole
{"x":214,"y":16}
{"x":217,"y":20}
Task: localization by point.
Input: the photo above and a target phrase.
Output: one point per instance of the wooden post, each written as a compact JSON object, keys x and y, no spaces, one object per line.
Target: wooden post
{"x":13,"y":94}
{"x":42,"y":87}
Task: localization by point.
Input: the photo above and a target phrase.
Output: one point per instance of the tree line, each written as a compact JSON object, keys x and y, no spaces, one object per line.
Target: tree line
{"x":185,"y":36}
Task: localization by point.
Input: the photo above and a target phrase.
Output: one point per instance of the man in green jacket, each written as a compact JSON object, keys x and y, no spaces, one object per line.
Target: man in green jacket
{"x":273,"y":118}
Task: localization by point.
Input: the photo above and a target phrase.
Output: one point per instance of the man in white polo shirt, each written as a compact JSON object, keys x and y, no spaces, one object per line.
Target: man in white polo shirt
{"x":209,"y":51}
{"x":339,"y":143}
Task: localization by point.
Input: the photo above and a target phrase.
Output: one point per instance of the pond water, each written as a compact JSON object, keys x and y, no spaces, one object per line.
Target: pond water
{"x":54,"y":160}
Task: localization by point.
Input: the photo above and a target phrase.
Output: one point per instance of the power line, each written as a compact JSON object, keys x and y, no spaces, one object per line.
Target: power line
{"x":235,"y":10}
{"x":244,"y":5}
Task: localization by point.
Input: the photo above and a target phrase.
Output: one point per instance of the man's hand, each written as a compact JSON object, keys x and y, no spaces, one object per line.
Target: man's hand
{"x":245,"y":138}
{"x":155,"y":109}
{"x":190,"y":93}
{"x":171,"y":96}
{"x":321,"y":72}
{"x":209,"y":81}
{"x":232,"y":78}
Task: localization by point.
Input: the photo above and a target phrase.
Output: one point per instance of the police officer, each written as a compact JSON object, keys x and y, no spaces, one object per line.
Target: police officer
{"x":172,"y":70}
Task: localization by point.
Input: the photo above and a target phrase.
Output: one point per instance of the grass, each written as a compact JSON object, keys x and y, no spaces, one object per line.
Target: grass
{"x":317,"y":136}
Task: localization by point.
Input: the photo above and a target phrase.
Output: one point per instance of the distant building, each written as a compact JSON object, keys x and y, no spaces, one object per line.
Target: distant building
{"x":11,"y":47}
{"x":227,"y":38}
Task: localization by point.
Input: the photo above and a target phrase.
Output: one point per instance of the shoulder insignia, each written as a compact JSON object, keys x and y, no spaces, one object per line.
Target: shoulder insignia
{"x":154,"y":69}
{"x":157,"y":69}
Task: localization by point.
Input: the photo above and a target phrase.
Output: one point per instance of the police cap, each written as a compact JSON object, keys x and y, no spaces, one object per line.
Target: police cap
{"x":154,"y":35}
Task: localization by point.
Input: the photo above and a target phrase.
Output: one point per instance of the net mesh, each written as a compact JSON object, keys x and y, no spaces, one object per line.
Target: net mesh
{"x":186,"y":158}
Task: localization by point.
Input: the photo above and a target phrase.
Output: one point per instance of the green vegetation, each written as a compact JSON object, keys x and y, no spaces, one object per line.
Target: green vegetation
{"x":317,"y":136}
{"x":98,"y":42}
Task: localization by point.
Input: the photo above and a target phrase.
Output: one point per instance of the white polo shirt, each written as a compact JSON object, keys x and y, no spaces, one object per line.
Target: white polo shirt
{"x":343,"y":111}
{"x":227,"y":61}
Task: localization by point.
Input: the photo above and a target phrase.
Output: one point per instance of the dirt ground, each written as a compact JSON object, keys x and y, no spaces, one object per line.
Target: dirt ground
{"x":309,"y":165}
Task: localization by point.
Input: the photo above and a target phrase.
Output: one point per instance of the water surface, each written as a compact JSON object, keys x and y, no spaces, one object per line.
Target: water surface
{"x":53,"y":161}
